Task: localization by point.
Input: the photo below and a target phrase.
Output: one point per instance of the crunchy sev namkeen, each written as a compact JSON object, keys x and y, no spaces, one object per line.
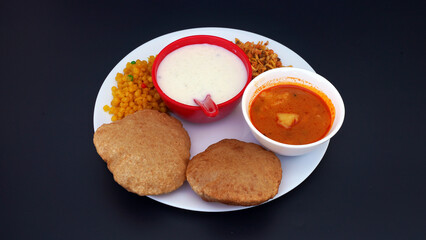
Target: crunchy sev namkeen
{"x":135,"y":91}
{"x":261,"y":57}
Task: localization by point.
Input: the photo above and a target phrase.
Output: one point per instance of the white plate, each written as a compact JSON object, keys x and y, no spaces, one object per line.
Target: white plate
{"x":295,"y":169}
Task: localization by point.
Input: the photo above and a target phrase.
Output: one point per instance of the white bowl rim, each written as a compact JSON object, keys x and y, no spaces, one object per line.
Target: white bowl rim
{"x":284,"y":145}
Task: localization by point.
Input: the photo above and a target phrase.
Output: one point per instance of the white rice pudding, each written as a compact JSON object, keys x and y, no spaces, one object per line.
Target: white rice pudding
{"x":193,"y":71}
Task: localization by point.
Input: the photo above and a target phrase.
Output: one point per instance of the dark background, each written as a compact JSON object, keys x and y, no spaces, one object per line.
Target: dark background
{"x":55,"y":55}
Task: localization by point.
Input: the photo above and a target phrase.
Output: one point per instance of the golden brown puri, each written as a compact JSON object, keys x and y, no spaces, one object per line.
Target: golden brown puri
{"x":147,"y":151}
{"x":235,"y":172}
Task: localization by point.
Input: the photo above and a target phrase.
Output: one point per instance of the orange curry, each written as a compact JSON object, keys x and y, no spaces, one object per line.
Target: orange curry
{"x":290,"y":114}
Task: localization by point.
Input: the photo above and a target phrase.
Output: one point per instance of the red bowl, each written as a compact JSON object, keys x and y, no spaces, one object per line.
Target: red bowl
{"x":196,"y":113}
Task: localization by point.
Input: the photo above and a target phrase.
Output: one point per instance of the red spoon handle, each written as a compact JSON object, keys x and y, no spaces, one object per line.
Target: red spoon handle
{"x":208,"y":106}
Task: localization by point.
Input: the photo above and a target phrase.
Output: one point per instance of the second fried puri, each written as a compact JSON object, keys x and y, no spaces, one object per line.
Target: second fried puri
{"x":147,"y":152}
{"x":235,"y":172}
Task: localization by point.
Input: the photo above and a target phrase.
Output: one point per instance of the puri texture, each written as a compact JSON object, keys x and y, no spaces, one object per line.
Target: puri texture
{"x":147,"y":152}
{"x":235,"y":172}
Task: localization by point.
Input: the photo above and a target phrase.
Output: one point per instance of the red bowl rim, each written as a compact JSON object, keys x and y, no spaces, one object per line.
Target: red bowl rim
{"x":201,"y":39}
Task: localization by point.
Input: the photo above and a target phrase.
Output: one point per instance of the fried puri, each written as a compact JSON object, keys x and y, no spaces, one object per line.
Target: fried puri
{"x":147,"y":152}
{"x":235,"y":172}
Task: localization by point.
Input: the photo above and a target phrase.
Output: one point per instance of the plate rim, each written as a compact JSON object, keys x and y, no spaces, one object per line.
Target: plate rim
{"x":219,"y":31}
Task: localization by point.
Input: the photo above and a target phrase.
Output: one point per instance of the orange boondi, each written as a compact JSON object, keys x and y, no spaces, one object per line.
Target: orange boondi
{"x":135,"y":90}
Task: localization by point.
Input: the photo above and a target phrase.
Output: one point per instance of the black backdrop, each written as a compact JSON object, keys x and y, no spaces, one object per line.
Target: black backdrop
{"x":55,"y":56}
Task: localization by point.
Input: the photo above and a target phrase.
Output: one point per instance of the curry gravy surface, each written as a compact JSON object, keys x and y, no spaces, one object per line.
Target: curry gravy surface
{"x":290,"y":114}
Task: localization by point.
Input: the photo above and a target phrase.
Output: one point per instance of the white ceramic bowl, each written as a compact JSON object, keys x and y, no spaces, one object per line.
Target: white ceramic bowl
{"x":293,"y":76}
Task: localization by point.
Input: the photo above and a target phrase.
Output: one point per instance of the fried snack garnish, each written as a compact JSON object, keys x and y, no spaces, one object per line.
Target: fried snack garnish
{"x":134,"y":91}
{"x":261,"y":57}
